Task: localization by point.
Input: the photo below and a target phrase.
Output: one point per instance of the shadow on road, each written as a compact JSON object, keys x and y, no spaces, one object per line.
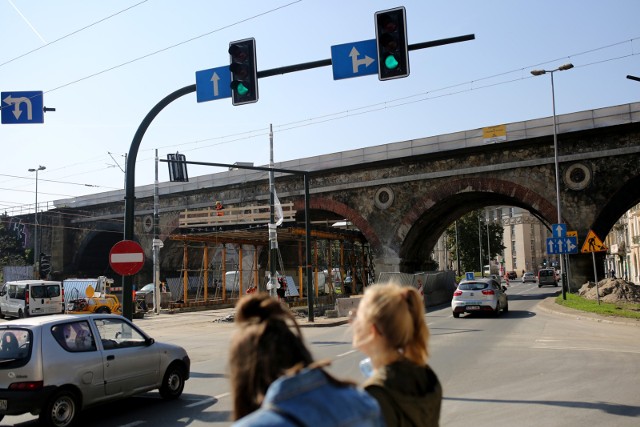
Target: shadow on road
{"x":609,"y":408}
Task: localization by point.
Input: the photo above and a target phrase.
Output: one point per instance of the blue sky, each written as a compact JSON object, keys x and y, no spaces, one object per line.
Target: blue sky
{"x":104,"y":79}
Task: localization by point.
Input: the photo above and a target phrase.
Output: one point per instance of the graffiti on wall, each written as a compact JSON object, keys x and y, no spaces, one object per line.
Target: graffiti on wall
{"x":19,"y":229}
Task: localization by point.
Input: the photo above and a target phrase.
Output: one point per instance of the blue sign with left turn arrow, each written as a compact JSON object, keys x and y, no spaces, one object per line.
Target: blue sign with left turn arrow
{"x":22,"y":107}
{"x":354,"y":59}
{"x":212,"y":84}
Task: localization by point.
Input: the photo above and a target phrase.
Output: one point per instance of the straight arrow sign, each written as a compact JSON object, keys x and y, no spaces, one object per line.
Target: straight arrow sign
{"x":212,"y":84}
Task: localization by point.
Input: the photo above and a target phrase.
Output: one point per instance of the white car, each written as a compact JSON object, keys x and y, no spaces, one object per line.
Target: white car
{"x":55,"y":366}
{"x":479,"y":295}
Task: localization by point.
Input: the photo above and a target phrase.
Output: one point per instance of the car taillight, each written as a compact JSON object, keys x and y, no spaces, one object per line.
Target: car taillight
{"x":26,"y":386}
{"x":457,"y":293}
{"x":488,"y":292}
{"x":26,"y":296}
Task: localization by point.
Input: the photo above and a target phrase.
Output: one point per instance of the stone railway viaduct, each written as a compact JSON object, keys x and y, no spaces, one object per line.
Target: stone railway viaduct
{"x":401,"y":196}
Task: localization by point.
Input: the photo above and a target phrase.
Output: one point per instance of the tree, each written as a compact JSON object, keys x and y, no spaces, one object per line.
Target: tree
{"x":11,"y":250}
{"x":470,"y":236}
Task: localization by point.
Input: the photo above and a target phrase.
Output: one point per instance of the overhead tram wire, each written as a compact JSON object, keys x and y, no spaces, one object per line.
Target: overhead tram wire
{"x":382,"y":105}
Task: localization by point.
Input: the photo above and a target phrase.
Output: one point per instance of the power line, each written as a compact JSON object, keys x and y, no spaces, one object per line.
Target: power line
{"x":72,"y":33}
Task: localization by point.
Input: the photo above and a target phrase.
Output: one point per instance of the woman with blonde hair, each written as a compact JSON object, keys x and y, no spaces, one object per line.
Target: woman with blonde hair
{"x":275,"y":382}
{"x":390,"y":328}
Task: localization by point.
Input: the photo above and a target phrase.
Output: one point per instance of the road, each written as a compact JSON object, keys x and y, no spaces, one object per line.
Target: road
{"x":528,"y":367}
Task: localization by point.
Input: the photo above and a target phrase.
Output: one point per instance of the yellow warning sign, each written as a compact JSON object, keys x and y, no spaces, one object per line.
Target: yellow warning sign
{"x":494,"y":133}
{"x":593,"y":244}
{"x":572,"y":233}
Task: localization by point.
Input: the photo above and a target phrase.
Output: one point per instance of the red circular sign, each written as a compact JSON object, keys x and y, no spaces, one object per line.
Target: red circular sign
{"x":126,"y":257}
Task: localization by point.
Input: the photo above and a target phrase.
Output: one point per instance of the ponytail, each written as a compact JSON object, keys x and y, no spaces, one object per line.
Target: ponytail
{"x":398,"y":314}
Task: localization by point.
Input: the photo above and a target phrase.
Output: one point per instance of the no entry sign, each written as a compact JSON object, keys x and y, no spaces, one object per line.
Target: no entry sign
{"x":126,"y":257}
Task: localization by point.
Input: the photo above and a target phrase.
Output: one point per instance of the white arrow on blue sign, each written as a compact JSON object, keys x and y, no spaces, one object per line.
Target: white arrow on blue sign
{"x":562,"y":245}
{"x":559,"y":230}
{"x":212,"y":84}
{"x":354,"y":59}
{"x":22,"y":107}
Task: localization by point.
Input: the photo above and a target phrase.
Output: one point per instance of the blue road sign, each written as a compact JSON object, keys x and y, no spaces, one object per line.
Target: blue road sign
{"x":22,"y":107}
{"x":562,"y":245}
{"x":354,"y":59}
{"x":212,"y":84}
{"x":468,"y":275}
{"x":559,"y":230}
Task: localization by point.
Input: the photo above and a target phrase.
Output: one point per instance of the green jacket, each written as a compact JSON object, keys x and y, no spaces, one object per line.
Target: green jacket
{"x":409,"y":395}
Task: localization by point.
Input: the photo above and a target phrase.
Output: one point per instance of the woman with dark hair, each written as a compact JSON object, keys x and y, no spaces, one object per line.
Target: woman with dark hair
{"x":275,"y":382}
{"x":390,"y":328}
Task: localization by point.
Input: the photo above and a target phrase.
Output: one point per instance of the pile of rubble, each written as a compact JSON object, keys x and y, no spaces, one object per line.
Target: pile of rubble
{"x":612,"y":290}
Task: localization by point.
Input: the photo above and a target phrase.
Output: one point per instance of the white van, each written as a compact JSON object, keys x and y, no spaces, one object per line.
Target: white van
{"x":24,"y":298}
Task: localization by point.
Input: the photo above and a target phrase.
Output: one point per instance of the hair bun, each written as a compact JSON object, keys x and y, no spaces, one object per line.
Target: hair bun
{"x":260,"y":307}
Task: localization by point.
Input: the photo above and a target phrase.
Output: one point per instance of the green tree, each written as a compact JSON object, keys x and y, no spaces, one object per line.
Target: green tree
{"x":468,"y":240}
{"x":11,"y":250}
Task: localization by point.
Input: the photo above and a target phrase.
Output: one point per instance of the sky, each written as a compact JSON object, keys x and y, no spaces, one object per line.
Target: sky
{"x":104,"y":65}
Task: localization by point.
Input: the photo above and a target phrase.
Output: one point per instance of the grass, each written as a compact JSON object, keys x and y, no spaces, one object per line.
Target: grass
{"x":628,"y":310}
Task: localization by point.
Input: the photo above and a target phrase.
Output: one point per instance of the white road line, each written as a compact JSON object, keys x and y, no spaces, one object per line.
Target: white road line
{"x":208,"y":400}
{"x":135,"y":423}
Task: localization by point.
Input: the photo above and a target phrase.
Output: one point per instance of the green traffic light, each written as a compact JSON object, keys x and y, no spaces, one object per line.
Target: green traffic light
{"x":242,"y":89}
{"x":391,"y":62}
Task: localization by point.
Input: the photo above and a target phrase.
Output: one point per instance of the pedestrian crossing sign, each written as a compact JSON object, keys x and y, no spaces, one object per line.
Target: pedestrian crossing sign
{"x":593,"y":244}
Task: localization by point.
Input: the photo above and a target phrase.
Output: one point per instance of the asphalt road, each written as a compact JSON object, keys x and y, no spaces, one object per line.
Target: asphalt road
{"x":528,"y":367}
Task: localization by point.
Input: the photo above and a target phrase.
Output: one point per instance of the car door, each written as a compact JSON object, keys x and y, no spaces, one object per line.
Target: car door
{"x":131,"y":362}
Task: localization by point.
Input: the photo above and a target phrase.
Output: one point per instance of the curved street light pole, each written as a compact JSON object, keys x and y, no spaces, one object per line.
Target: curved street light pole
{"x":555,"y":159}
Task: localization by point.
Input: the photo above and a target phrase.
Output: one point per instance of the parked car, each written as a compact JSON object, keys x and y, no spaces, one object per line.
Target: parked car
{"x":529,"y":277}
{"x":24,"y":298}
{"x":512,"y":275}
{"x":547,"y":276}
{"x":479,"y":295}
{"x":58,"y":365}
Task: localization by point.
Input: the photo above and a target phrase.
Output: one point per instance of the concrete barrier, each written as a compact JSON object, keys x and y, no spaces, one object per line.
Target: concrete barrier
{"x":345,"y":305}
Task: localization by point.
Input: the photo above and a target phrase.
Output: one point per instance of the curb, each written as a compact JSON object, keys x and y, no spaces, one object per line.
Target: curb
{"x":549,"y":305}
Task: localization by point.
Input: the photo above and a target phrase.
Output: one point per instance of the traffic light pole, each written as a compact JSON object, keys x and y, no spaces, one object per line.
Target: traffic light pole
{"x":130,"y":181}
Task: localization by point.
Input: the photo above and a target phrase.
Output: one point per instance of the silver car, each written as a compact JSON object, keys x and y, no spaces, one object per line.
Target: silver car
{"x":479,"y":295}
{"x":55,"y":366}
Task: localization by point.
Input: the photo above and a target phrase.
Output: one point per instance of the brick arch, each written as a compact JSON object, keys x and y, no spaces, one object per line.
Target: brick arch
{"x":328,"y":204}
{"x":446,"y":202}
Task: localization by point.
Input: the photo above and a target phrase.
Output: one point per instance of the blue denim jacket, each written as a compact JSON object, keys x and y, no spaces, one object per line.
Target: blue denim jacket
{"x":313,"y":401}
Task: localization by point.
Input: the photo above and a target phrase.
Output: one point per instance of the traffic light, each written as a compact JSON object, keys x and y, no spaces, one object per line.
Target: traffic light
{"x":45,"y":265}
{"x":391,"y":38}
{"x":244,"y":71}
{"x":177,"y":168}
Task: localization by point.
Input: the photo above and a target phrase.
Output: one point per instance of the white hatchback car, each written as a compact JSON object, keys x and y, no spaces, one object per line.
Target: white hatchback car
{"x":57,"y":365}
{"x":479,"y":295}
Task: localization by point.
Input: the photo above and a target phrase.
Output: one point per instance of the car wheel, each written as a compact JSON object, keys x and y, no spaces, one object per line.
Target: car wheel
{"x":173,"y":382}
{"x":506,"y":307}
{"x":103,"y":310}
{"x":61,"y":410}
{"x":1,"y":317}
{"x":20,"y":314}
{"x":456,"y":315}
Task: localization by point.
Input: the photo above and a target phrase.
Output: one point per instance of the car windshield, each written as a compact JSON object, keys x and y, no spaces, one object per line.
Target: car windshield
{"x":473,"y":286}
{"x":546,"y":273}
{"x":148,"y":288}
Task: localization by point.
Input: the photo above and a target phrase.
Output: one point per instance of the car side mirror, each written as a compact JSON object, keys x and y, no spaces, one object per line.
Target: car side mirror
{"x":150,"y":341}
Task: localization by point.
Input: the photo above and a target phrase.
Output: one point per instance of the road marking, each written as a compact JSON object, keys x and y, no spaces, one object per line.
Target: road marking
{"x":610,"y":350}
{"x":208,"y":400}
{"x":135,"y":423}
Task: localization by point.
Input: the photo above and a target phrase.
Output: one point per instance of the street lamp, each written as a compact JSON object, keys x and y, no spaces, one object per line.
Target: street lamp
{"x":36,"y":254}
{"x":555,"y":158}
